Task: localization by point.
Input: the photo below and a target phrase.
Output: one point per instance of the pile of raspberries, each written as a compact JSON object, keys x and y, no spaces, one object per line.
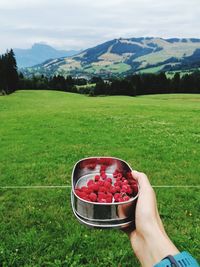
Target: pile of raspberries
{"x":103,"y":189}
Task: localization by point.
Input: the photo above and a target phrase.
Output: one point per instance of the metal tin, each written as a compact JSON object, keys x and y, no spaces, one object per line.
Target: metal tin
{"x":100,"y":215}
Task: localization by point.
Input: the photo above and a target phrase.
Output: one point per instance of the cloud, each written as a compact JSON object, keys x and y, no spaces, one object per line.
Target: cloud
{"x":83,"y":23}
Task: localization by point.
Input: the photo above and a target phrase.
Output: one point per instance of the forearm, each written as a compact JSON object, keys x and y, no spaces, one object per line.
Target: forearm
{"x":149,"y":240}
{"x":152,"y":248}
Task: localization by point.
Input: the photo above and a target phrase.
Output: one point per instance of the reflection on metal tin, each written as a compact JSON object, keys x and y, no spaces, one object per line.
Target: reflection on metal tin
{"x":101,"y":215}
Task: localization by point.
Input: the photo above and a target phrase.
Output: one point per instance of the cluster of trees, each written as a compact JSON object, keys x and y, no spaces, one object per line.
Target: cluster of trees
{"x":143,"y":84}
{"x":137,"y":84}
{"x":58,"y":83}
{"x":8,"y":73}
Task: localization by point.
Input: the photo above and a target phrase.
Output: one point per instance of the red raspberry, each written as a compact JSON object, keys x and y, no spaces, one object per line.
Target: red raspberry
{"x":123,"y":190}
{"x":90,"y":182}
{"x":118,"y":179}
{"x":95,"y":187}
{"x":122,"y":194}
{"x":103,"y":175}
{"x":103,"y":168}
{"x":101,"y":195}
{"x":118,"y":184}
{"x":113,"y":190}
{"x":102,"y":189}
{"x":125,"y":182}
{"x":86,"y":198}
{"x":107,"y":184}
{"x":116,"y":197}
{"x":109,"y":199}
{"x":77,"y":190}
{"x":120,"y":199}
{"x":119,"y":175}
{"x":108,"y":180}
{"x":80,"y":193}
{"x":115,"y":173}
{"x":126,"y":198}
{"x":100,"y":183}
{"x":125,"y":187}
{"x":129,"y":191}
{"x":84,"y":189}
{"x":89,"y":189}
{"x":93,"y":197}
{"x":83,"y":195}
{"x":97,"y":177}
{"x":117,"y":188}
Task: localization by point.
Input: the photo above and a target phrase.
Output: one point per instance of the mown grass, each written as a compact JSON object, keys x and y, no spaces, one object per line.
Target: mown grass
{"x":44,"y":133}
{"x":115,"y":68}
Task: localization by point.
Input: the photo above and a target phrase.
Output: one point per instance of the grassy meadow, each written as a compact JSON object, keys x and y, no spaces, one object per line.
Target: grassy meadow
{"x":44,"y":133}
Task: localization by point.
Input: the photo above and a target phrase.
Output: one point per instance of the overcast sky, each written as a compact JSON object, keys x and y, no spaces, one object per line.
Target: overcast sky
{"x":79,"y":24}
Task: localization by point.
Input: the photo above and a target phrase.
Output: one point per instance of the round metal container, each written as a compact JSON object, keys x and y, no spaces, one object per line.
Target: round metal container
{"x":100,"y":215}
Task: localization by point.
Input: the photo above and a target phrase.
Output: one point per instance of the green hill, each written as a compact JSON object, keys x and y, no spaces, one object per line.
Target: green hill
{"x":126,"y":56}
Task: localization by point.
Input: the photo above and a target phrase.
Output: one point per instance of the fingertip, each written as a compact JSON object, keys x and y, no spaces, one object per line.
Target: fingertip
{"x":141,"y":178}
{"x":137,"y":175}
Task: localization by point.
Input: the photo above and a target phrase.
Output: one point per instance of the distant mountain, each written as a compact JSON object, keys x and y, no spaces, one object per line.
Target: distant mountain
{"x":126,"y":56}
{"x":39,"y":53}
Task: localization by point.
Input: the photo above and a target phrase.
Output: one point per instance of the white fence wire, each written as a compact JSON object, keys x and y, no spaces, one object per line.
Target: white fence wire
{"x":69,"y":186}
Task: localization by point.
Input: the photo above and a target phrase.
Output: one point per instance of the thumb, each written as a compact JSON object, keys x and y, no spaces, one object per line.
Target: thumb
{"x":142,"y":180}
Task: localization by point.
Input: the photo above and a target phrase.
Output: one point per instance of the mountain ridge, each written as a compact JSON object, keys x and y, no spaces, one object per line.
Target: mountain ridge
{"x":126,"y":55}
{"x":39,"y":53}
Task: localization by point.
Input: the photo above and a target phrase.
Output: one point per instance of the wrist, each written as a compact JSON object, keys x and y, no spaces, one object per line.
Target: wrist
{"x":159,"y":246}
{"x":153,"y":247}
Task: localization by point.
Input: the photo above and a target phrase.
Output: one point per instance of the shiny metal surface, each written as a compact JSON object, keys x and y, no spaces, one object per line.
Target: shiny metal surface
{"x":105,"y":215}
{"x":101,"y":225}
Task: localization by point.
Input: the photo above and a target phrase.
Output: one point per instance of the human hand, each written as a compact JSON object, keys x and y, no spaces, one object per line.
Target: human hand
{"x":149,"y":240}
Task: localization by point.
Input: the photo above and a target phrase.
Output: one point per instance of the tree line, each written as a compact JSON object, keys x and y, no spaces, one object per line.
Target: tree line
{"x":132,"y":85}
{"x":8,"y":73}
{"x":144,"y":84}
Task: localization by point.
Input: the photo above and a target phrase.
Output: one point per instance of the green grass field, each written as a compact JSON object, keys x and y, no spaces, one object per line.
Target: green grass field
{"x":43,"y":134}
{"x":115,"y":68}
